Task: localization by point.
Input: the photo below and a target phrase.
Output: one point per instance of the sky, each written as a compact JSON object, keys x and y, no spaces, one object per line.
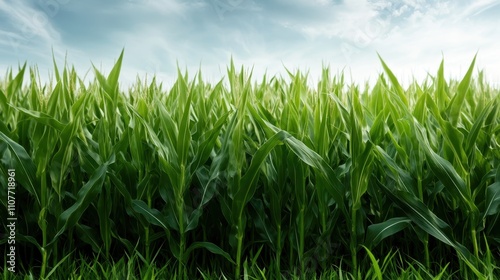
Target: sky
{"x":412,"y":36}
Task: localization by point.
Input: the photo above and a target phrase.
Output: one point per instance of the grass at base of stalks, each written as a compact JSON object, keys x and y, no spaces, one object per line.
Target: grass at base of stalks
{"x":135,"y":267}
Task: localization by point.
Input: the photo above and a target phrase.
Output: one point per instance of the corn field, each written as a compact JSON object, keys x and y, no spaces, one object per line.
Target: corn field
{"x":275,"y":179}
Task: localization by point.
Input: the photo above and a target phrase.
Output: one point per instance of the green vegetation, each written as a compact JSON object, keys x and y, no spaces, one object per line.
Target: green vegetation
{"x":249,"y":180}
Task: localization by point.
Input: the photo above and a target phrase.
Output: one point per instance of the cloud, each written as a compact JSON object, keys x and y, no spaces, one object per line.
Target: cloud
{"x":298,"y":34}
{"x":162,"y":7}
{"x":477,"y":7}
{"x":30,"y":28}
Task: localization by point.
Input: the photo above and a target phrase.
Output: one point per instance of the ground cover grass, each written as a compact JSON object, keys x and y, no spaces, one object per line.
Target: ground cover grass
{"x":271,"y":179}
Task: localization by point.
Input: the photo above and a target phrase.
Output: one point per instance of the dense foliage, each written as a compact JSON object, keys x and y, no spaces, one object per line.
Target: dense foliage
{"x":271,"y":179}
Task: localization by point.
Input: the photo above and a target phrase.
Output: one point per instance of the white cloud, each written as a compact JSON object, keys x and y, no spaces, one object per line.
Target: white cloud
{"x":477,"y":7}
{"x":166,"y":7}
{"x":411,"y":36}
{"x":29,"y":22}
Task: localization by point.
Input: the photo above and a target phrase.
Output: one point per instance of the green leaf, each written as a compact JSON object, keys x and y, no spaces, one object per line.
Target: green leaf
{"x":112,"y":79}
{"x":492,"y":205}
{"x":210,"y":247}
{"x":394,"y":81}
{"x":184,"y":137}
{"x":62,"y":159}
{"x":446,"y":173}
{"x":15,"y":85}
{"x":424,"y":218}
{"x":441,"y":95}
{"x":334,"y":187}
{"x":206,"y":147}
{"x":110,"y":84}
{"x":152,"y":215}
{"x":360,"y":174}
{"x":23,"y":165}
{"x":455,"y":107}
{"x":86,"y":195}
{"x":420,"y":110}
{"x":471,"y":139}
{"x":89,"y":236}
{"x":247,"y":186}
{"x":380,"y":231}
{"x":377,"y":130}
{"x":374,"y":262}
{"x":193,"y":219}
{"x":41,"y":118}
{"x":4,"y":104}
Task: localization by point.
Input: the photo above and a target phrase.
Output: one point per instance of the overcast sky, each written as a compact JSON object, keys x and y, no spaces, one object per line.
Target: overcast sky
{"x":412,"y":36}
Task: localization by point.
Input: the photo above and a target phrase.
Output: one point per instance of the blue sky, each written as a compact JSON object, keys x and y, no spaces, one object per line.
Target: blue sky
{"x":411,"y":35}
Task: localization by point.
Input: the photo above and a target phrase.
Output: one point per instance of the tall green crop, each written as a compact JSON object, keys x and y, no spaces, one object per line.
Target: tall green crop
{"x":260,"y":179}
